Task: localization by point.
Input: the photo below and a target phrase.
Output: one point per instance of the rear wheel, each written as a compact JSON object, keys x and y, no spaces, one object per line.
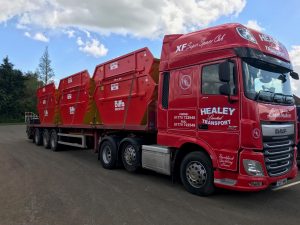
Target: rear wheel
{"x":54,"y":141}
{"x":38,"y":136}
{"x":108,"y":155}
{"x":131,"y":155}
{"x":46,"y":138}
{"x":196,"y":174}
{"x":29,"y":133}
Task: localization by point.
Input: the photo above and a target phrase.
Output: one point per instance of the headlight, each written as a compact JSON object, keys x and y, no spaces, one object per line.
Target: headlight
{"x":246,"y":34}
{"x":253,"y":168}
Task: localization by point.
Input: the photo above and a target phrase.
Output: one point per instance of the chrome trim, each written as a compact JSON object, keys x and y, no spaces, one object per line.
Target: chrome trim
{"x":157,"y":158}
{"x":267,"y":145}
{"x":271,"y":130}
{"x":278,"y":160}
{"x":225,"y":181}
{"x":278,"y":167}
{"x":267,"y":153}
{"x":278,"y":174}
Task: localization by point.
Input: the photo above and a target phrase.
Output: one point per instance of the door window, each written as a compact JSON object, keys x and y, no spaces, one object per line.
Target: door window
{"x":210,"y":80}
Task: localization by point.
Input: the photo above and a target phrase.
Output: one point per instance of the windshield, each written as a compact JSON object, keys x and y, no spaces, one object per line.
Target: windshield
{"x":266,"y":83}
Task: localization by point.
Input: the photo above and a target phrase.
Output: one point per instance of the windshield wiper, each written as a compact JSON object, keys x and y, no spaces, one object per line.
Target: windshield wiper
{"x":261,"y":95}
{"x":270,"y":96}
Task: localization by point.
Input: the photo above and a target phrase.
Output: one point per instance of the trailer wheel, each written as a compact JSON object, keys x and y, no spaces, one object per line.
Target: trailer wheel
{"x":131,"y":155}
{"x":46,"y":138}
{"x":54,"y":141}
{"x":38,"y":136}
{"x":29,"y":133}
{"x":196,"y":174}
{"x":108,"y":155}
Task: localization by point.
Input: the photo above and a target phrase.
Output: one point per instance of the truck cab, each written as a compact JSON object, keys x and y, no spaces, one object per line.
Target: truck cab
{"x":225,"y":91}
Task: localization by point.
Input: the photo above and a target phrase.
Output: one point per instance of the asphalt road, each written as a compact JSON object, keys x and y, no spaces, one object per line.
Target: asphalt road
{"x":70,"y":187}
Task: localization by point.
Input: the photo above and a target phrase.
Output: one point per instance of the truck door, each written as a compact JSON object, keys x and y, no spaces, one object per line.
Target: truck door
{"x":182,"y":112}
{"x":219,"y":115}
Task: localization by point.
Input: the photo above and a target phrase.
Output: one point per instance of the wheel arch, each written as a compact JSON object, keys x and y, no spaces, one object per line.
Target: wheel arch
{"x":187,"y":148}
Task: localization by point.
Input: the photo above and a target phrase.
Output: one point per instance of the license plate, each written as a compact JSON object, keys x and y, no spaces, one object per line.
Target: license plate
{"x":280,"y":183}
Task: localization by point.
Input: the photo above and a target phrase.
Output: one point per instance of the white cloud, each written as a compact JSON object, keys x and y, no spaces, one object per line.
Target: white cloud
{"x":295,"y":58}
{"x":92,"y":47}
{"x":37,"y":36}
{"x":254,"y":25}
{"x":70,"y":33}
{"x":151,"y":18}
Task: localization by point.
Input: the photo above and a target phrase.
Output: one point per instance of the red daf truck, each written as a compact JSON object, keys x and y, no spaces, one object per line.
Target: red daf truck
{"x":215,"y":111}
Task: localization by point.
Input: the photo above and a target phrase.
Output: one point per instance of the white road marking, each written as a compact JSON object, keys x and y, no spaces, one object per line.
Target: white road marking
{"x":286,"y":186}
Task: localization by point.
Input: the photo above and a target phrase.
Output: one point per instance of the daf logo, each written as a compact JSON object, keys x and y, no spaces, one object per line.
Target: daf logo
{"x":280,"y":131}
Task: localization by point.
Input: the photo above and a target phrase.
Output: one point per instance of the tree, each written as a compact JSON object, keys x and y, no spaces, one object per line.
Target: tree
{"x":11,"y":91}
{"x":45,"y":70}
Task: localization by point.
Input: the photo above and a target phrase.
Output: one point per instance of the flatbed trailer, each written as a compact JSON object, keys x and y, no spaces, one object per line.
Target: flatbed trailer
{"x":215,"y":111}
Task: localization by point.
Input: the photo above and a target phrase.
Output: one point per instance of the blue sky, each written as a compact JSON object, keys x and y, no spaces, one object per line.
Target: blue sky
{"x":82,"y":34}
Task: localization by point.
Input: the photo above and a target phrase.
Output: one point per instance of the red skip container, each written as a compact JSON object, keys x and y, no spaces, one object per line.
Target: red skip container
{"x":126,"y":91}
{"x":75,"y":102}
{"x":47,"y":104}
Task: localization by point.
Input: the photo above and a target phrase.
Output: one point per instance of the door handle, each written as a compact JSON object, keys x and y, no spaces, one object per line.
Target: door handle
{"x":203,"y":126}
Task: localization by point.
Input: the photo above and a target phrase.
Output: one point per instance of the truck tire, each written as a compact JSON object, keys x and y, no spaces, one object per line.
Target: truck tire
{"x":196,"y":173}
{"x":38,"y":136}
{"x":46,"y":139}
{"x":131,"y":154}
{"x":29,"y":133}
{"x":54,"y":141}
{"x":108,"y":154}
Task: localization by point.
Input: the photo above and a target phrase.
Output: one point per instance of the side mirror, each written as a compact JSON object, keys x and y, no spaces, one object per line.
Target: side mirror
{"x":224,"y":71}
{"x":225,"y":89}
{"x":294,"y":75}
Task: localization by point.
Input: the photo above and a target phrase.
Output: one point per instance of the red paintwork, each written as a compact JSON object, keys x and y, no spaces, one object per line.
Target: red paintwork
{"x":125,"y":92}
{"x":212,"y":40}
{"x":46,"y":104}
{"x":189,"y":108}
{"x":126,"y":98}
{"x":74,"y":98}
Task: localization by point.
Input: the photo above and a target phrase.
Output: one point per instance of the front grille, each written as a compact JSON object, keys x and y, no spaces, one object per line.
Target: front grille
{"x":279,"y":154}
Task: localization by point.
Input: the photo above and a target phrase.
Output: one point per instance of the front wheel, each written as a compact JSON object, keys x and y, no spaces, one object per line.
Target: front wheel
{"x":196,"y":174}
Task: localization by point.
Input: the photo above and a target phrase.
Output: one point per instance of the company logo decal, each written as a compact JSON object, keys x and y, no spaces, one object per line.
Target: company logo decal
{"x":202,"y":43}
{"x":279,"y":114}
{"x":185,"y":82}
{"x":275,"y":48}
{"x":216,"y":115}
{"x":72,"y":110}
{"x":69,"y":96}
{"x":226,"y":160}
{"x":256,"y":133}
{"x":114,"y":87}
{"x":119,"y":105}
{"x":280,"y":131}
{"x":114,"y":65}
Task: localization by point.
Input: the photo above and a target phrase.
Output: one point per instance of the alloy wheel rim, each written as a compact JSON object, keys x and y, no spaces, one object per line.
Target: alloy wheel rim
{"x":106,"y":155}
{"x":130,"y":155}
{"x":196,"y":174}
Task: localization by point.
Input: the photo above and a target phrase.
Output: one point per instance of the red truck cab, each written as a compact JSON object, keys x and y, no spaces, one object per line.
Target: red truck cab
{"x":226,"y":92}
{"x":216,"y":111}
